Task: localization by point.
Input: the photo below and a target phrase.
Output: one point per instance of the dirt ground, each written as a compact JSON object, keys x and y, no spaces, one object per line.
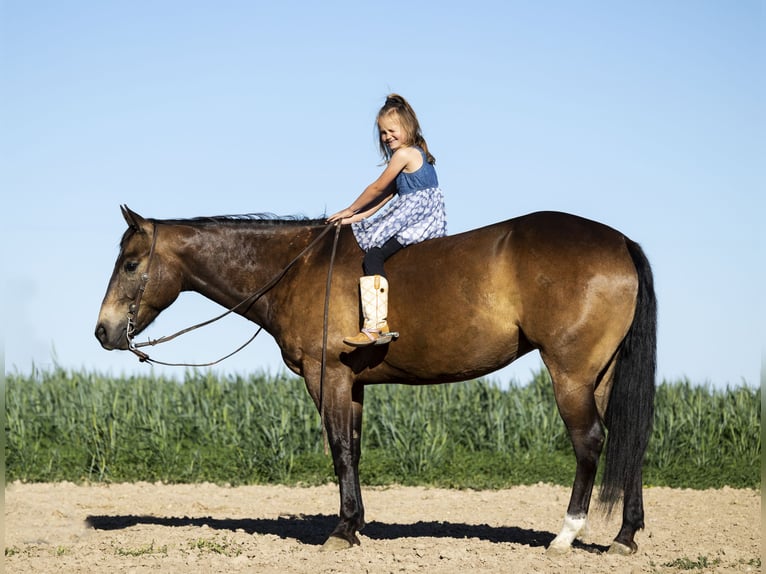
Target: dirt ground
{"x":205,"y":528}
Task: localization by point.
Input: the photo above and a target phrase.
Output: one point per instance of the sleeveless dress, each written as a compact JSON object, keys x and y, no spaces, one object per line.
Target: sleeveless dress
{"x":414,"y":214}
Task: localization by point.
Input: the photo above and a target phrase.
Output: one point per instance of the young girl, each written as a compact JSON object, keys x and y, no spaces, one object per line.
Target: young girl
{"x":409,"y":189}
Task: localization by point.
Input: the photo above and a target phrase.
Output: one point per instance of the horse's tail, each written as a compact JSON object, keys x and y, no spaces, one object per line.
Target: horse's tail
{"x":630,"y":412}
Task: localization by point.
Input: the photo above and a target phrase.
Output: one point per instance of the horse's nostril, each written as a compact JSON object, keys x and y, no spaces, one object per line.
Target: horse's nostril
{"x":103,"y":337}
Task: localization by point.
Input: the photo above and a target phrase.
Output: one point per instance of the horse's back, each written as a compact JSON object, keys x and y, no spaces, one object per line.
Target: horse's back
{"x":540,"y":246}
{"x":547,"y":280}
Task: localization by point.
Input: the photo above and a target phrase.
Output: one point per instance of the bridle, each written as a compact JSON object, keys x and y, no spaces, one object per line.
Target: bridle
{"x":133,"y":307}
{"x":250,"y":299}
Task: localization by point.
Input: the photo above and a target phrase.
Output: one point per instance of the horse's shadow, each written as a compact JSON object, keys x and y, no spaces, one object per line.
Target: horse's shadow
{"x":313,"y":529}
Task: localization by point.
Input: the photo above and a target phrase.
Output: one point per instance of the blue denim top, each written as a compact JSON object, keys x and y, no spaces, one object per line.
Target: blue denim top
{"x":423,"y":178}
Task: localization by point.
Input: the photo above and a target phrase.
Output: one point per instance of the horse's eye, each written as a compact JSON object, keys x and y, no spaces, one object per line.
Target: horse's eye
{"x":131,"y":266}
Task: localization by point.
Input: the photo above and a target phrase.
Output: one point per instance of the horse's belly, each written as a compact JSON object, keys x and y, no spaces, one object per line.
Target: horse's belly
{"x":450,"y":354}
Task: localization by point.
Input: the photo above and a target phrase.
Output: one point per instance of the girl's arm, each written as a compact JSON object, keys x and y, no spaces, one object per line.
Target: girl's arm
{"x":369,"y":201}
{"x":368,"y":212}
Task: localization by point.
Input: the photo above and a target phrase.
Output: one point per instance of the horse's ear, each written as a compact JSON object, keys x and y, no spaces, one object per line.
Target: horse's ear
{"x":132,"y":218}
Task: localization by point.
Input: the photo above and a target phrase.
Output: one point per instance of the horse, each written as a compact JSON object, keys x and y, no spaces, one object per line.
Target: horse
{"x":465,"y":305}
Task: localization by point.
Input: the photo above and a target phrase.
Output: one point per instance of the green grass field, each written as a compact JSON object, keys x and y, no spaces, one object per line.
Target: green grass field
{"x":82,"y":426}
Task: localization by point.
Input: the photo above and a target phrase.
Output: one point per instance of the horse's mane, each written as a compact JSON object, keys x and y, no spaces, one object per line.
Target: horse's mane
{"x":245,"y":219}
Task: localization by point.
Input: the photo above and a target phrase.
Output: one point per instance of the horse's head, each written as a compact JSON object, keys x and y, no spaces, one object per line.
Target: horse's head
{"x":141,"y":286}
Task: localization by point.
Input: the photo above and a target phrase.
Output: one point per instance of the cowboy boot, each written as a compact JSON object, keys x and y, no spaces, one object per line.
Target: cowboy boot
{"x":373,"y":290}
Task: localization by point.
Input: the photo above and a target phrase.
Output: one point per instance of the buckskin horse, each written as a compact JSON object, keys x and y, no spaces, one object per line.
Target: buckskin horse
{"x":465,"y":305}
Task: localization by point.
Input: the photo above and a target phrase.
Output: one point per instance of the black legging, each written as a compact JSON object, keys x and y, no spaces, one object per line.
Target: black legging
{"x":374,"y":258}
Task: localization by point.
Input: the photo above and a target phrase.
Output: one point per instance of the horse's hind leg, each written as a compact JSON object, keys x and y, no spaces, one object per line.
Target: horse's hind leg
{"x":632,"y":519}
{"x":578,"y":410}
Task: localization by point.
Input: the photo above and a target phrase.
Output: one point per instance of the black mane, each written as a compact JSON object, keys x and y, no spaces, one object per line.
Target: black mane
{"x":254,"y":218}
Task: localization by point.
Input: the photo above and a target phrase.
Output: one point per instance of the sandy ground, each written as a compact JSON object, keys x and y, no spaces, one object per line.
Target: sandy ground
{"x":272,"y":529}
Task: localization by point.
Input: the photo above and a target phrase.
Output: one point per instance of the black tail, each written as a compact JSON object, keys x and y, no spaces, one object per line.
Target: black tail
{"x":630,"y":413}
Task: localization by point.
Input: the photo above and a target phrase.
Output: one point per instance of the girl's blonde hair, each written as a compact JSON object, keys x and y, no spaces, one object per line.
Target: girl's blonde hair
{"x":396,"y":104}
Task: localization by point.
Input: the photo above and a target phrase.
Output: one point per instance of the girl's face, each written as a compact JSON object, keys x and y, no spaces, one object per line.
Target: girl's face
{"x":391,"y":132}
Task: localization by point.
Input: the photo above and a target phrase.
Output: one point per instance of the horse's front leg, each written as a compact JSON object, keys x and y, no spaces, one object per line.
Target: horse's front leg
{"x":343,"y":420}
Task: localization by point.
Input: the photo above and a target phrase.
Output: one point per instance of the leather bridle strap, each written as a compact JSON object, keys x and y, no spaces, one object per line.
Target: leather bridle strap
{"x":133,"y":307}
{"x":252,"y":298}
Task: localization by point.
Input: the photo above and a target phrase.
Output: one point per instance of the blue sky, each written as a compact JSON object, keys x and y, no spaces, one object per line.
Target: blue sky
{"x":646,"y":116}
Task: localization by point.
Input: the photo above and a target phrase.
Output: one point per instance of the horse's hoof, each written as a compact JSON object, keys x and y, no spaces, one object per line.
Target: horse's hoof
{"x":621,"y":549}
{"x":557,"y":550}
{"x":334,"y":543}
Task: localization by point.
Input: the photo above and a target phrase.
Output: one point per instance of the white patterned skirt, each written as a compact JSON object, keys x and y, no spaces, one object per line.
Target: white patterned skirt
{"x":411,"y":218}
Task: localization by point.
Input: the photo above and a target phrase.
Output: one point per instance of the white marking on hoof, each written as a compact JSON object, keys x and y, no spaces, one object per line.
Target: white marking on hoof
{"x":573,"y":526}
{"x":557,"y":550}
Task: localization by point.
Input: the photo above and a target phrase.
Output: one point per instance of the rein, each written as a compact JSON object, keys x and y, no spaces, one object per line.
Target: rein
{"x":252,"y":298}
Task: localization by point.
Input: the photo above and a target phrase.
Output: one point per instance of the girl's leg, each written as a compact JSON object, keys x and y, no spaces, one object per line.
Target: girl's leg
{"x":373,"y":289}
{"x":374,"y":258}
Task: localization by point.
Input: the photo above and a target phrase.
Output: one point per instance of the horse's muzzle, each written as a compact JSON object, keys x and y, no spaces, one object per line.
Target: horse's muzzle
{"x":116,"y":340}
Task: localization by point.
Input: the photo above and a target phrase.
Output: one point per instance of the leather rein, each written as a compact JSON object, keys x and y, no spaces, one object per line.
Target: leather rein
{"x":250,"y":299}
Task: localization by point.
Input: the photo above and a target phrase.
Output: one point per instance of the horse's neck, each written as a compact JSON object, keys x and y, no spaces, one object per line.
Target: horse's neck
{"x":228,"y":264}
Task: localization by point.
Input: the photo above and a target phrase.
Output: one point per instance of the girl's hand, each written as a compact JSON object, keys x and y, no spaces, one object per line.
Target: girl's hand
{"x":344,"y":216}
